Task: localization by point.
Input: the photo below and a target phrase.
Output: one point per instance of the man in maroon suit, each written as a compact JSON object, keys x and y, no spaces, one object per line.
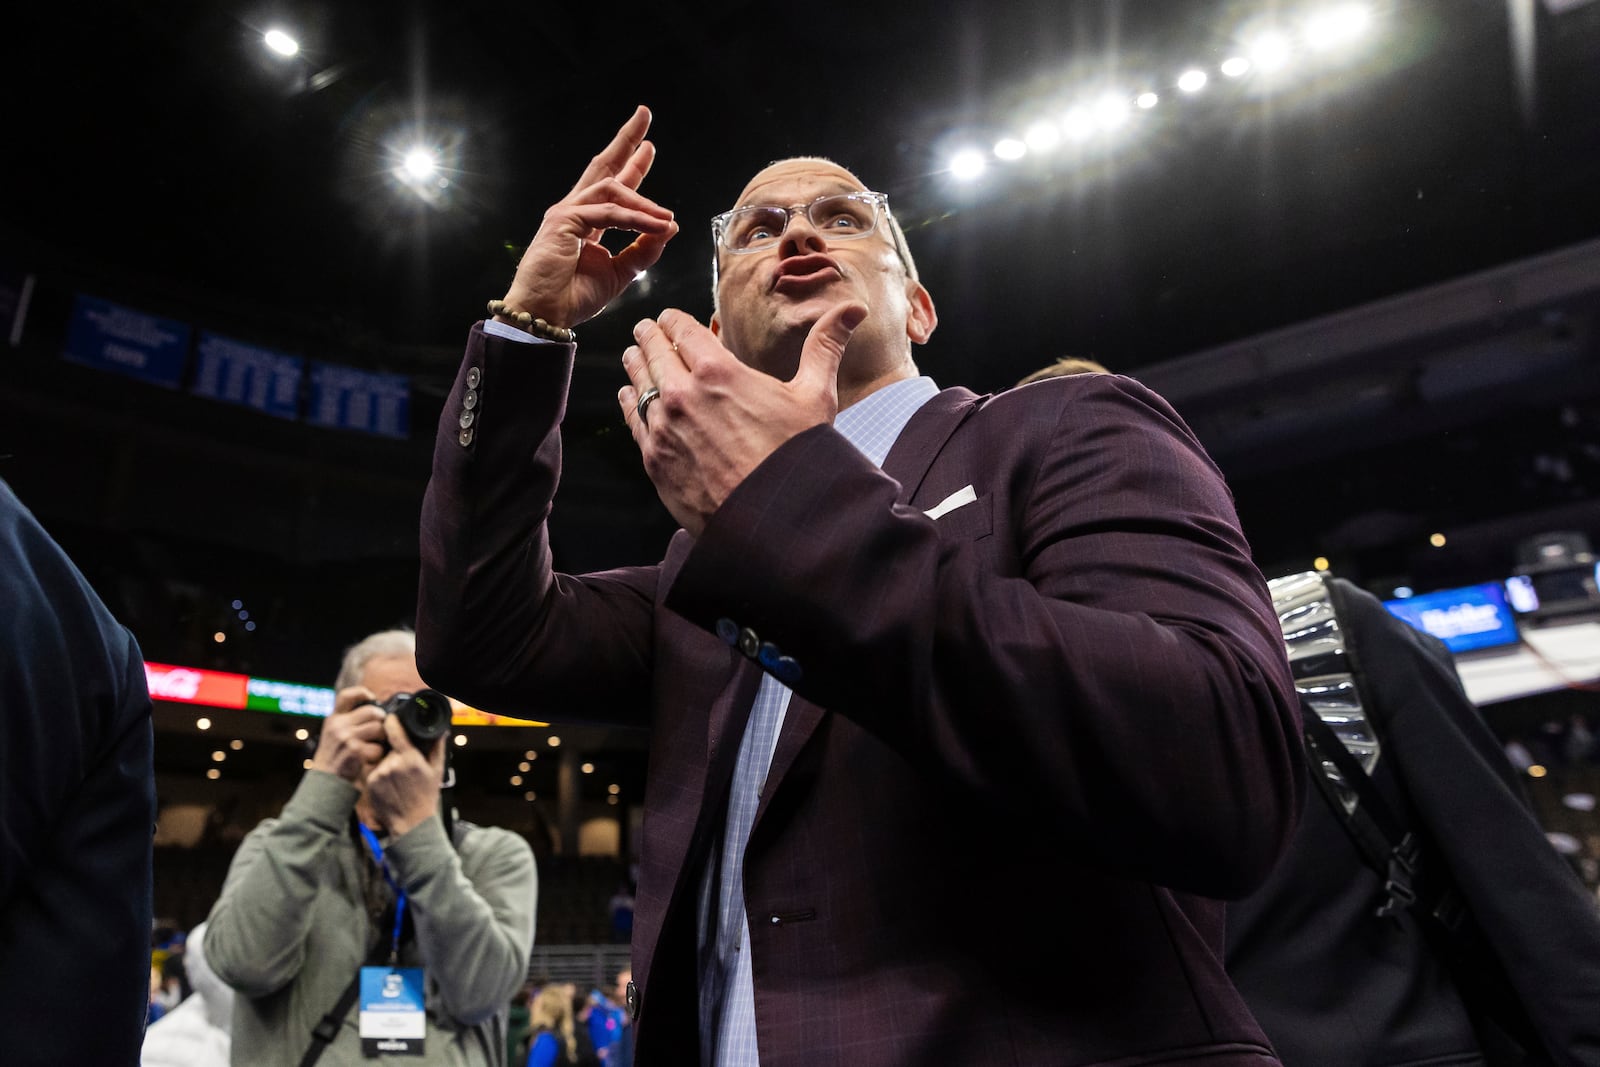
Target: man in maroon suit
{"x":916,"y":658}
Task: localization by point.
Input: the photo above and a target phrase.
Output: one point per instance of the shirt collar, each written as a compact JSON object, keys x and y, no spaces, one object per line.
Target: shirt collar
{"x":874,"y":422}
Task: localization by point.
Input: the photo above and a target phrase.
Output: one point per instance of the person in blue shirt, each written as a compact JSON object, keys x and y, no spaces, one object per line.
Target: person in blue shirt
{"x":605,"y":1025}
{"x":555,"y":1042}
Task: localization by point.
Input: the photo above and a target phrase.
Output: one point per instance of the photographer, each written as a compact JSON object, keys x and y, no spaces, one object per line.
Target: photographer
{"x":355,"y":923}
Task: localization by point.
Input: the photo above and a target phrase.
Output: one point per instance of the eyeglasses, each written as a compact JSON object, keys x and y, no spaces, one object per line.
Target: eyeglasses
{"x":838,"y":217}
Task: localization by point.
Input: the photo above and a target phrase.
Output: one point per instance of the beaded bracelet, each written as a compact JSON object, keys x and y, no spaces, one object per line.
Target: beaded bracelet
{"x":538,"y":327}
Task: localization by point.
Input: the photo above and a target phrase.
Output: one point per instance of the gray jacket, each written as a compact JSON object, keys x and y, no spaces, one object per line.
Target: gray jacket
{"x":292,"y":927}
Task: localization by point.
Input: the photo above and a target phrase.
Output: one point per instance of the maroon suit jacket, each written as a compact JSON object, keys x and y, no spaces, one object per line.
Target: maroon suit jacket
{"x":1033,"y":742}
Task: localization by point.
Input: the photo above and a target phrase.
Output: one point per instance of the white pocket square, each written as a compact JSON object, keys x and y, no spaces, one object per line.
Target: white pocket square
{"x":959,"y":498}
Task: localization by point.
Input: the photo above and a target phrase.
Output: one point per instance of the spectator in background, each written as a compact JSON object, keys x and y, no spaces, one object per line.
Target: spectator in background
{"x":359,"y":871}
{"x":1063,"y":367}
{"x":555,"y":1037}
{"x":175,"y":987}
{"x":589,"y":1027}
{"x":196,"y":1032}
{"x":621,"y":907}
{"x":603,"y":1020}
{"x":519,"y":1026}
{"x":621,"y":1053}
{"x":77,"y":812}
{"x":158,"y":997}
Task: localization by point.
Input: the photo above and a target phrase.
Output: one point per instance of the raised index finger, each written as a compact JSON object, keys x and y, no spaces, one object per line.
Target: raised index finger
{"x":617,"y":159}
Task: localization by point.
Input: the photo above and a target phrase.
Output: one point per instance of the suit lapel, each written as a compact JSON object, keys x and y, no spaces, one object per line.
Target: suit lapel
{"x":800,"y":721}
{"x":908,"y":462}
{"x":924,"y":437}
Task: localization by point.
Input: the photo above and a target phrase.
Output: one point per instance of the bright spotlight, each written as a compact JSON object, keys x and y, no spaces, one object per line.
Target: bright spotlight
{"x":1269,"y":52}
{"x":1112,"y":110}
{"x":1009,"y":148}
{"x":1337,"y":26}
{"x":1192,"y":81}
{"x":1078,"y":124}
{"x":1042,"y":136}
{"x":1235,"y":67}
{"x":967,"y":165}
{"x":281,"y":43}
{"x":420,"y":164}
{"x":1146,"y":101}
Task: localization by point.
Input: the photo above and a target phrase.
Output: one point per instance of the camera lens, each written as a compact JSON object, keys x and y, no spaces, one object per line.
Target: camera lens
{"x":425,"y":715}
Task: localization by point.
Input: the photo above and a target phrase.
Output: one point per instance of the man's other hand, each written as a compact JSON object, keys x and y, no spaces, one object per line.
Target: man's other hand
{"x":715,"y":419}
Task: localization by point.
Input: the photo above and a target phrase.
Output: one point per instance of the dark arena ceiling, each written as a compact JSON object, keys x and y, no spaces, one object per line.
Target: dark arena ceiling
{"x":162,"y":158}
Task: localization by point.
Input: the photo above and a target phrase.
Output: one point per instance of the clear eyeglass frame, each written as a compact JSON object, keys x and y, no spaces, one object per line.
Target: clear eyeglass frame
{"x":736,"y":231}
{"x":879,"y":203}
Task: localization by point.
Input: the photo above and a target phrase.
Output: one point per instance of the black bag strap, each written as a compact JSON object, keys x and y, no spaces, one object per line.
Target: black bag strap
{"x":324,"y":1032}
{"x":1380,"y":837}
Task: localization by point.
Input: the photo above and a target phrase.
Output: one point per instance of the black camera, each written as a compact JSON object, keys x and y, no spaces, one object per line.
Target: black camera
{"x":425,"y":715}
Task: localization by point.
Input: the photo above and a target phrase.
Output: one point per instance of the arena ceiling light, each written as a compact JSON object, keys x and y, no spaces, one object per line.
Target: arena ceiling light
{"x":420,"y":164}
{"x":1111,"y":111}
{"x":1337,"y":26}
{"x":281,"y":43}
{"x":968,"y":165}
{"x":1078,"y":124}
{"x":1262,"y":50}
{"x":1269,"y":51}
{"x":1010,"y":148}
{"x":1042,"y":136}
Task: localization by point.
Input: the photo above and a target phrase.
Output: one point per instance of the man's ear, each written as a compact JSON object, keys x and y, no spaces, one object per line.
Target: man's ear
{"x":921,"y":317}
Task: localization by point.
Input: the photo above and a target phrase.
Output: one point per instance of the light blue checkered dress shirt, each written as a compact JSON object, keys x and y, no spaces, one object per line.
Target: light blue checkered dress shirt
{"x":727,"y":993}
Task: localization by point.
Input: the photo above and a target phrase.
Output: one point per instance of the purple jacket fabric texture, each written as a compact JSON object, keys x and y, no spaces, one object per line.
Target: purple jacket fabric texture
{"x":1034,"y":741}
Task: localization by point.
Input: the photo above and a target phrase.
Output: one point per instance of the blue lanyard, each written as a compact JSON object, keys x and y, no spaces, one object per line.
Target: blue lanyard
{"x":400,"y":894}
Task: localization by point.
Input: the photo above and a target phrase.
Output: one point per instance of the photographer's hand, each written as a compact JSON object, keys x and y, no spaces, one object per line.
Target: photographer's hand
{"x":352,"y":736}
{"x":403,"y":788}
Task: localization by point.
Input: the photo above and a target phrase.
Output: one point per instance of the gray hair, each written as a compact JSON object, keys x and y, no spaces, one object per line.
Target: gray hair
{"x":378,"y":646}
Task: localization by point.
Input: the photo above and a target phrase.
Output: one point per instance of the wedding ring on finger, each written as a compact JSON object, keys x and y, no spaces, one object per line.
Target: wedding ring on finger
{"x":646,"y":398}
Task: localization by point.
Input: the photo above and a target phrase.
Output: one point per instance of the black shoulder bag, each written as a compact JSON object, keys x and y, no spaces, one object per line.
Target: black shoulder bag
{"x":1414,"y":883}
